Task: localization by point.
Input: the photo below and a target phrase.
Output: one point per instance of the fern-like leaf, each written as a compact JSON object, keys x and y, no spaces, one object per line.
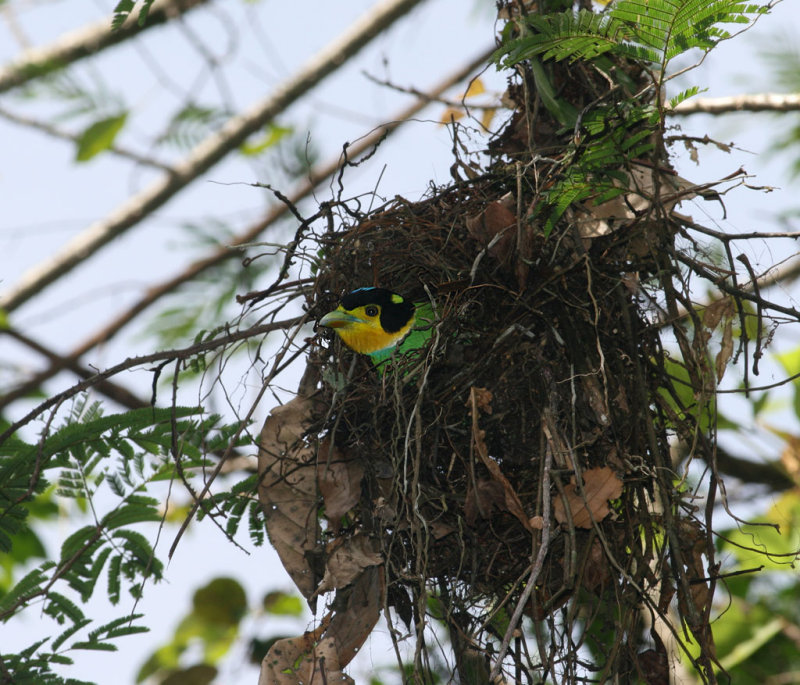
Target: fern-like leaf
{"x":650,"y":30}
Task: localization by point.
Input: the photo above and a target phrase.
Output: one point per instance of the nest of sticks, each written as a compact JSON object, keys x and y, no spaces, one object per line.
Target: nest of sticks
{"x":517,"y":467}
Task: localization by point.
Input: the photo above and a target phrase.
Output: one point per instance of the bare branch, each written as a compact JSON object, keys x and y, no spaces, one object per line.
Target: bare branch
{"x":86,"y":41}
{"x":205,"y":155}
{"x":759,"y":102}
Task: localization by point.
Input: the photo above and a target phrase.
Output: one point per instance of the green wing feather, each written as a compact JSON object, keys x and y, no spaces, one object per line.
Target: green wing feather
{"x":415,"y":340}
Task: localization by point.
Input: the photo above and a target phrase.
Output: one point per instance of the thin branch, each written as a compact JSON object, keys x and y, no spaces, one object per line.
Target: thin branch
{"x":222,"y":254}
{"x":86,"y":41}
{"x":111,"y":390}
{"x":206,"y":154}
{"x":759,"y":102}
{"x":133,"y":362}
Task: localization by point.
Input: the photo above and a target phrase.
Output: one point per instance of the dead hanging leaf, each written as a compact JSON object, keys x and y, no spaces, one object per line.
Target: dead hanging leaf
{"x":512,"y":503}
{"x":318,"y":657}
{"x":359,"y":607}
{"x":288,"y":488}
{"x":494,"y":226}
{"x":694,"y":604}
{"x":346,"y":558}
{"x":599,"y":486}
{"x":714,"y":312}
{"x":302,"y":661}
{"x":597,"y":401}
{"x":483,"y":399}
{"x":482,"y":500}
{"x":653,"y":664}
{"x":725,"y":349}
{"x":339,"y":482}
{"x":289,"y":661}
{"x":596,"y":571}
{"x":440,"y":530}
{"x":638,"y":188}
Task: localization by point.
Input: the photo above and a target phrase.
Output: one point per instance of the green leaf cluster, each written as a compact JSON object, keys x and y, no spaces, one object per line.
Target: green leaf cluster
{"x":655,"y":31}
{"x":125,"y":452}
{"x":123,"y":10}
{"x":213,"y":624}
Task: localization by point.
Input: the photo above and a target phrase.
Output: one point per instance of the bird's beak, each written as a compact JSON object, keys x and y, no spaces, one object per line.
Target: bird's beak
{"x":338,"y":319}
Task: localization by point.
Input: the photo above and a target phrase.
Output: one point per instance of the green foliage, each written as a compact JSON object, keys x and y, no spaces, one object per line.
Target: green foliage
{"x":213,"y":624}
{"x":121,"y":455}
{"x":191,"y":124}
{"x":99,"y":136}
{"x":123,"y":10}
{"x":280,"y":603}
{"x":593,"y":171}
{"x":655,"y":31}
{"x":754,"y":629}
{"x":236,"y":503}
{"x":272,"y":135}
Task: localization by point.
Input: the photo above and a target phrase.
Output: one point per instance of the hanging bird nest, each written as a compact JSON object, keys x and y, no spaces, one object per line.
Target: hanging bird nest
{"x":519,"y":464}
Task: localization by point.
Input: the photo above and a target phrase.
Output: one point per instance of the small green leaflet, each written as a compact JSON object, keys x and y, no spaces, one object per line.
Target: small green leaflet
{"x":99,"y":137}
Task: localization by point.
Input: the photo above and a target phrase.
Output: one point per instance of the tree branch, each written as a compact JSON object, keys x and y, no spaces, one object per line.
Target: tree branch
{"x":133,"y":362}
{"x":205,"y":155}
{"x":86,"y":41}
{"x":111,"y":390}
{"x":760,"y":102}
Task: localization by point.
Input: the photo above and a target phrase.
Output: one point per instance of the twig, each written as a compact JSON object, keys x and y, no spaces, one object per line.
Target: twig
{"x":535,"y":571}
{"x":133,"y":362}
{"x":115,"y":392}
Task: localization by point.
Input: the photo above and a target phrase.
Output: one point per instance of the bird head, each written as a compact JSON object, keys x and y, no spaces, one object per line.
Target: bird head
{"x":371,"y":320}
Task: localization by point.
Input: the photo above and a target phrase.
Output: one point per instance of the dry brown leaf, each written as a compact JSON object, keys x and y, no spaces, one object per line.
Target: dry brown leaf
{"x":654,"y":664}
{"x":643,"y":182}
{"x":288,"y":489}
{"x":725,"y":349}
{"x":596,"y":570}
{"x":339,"y":482}
{"x":714,"y":312}
{"x":298,"y":661}
{"x":363,"y":603}
{"x":484,"y":498}
{"x":597,"y":400}
{"x":483,"y":399}
{"x":440,"y":530}
{"x":494,"y":222}
{"x":318,"y":657}
{"x":346,"y":558}
{"x":290,"y":660}
{"x":512,"y":502}
{"x":600,"y":485}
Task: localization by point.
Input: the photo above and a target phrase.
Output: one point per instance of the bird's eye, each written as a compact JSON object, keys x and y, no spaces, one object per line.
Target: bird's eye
{"x":371,"y":310}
